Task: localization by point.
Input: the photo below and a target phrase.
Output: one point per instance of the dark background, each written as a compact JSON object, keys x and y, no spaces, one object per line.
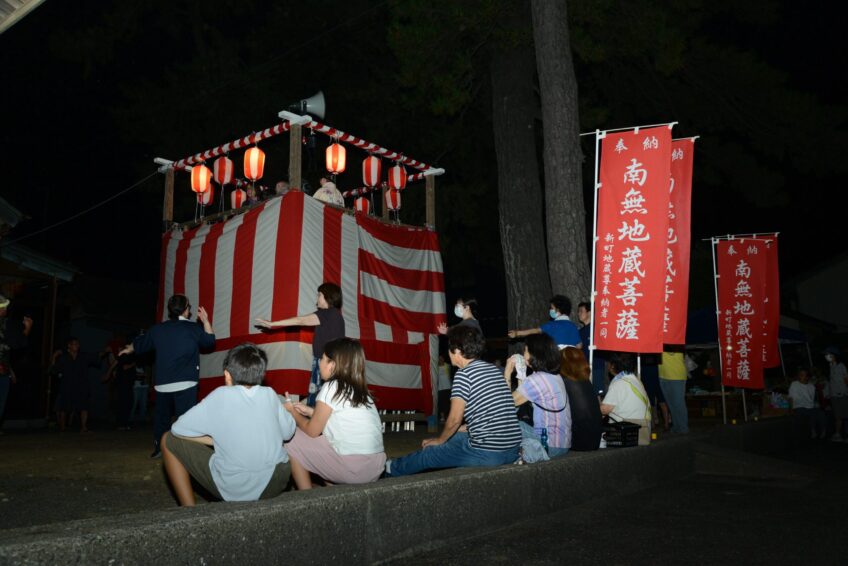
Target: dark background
{"x":93,"y":91}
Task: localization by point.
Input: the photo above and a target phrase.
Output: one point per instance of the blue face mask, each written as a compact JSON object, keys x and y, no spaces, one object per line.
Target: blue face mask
{"x":553,"y":313}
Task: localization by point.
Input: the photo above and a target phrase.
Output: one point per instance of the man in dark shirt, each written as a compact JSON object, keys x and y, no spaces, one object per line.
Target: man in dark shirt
{"x":71,"y":367}
{"x":177,"y":342}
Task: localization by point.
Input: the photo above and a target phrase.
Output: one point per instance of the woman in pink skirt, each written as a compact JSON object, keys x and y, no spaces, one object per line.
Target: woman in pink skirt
{"x":341,"y":438}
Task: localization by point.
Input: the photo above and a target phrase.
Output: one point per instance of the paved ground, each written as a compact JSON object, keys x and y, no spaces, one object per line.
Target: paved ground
{"x":48,"y":477}
{"x":698,"y":520}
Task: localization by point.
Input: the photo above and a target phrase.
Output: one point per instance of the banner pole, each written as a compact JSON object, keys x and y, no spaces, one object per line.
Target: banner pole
{"x":718,"y":331}
{"x":780,"y":352}
{"x":594,"y":259}
{"x":744,"y":406}
{"x":639,"y":366}
{"x":809,"y":355}
{"x":669,"y":124}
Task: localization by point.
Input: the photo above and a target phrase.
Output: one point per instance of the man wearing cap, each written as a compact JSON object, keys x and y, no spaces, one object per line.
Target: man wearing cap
{"x":838,"y":389}
{"x":12,"y":336}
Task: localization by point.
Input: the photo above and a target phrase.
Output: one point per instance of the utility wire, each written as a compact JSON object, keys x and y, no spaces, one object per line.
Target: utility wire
{"x":78,"y":214}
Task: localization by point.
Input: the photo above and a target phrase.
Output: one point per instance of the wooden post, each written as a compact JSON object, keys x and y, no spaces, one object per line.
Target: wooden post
{"x":384,"y":206}
{"x":295,"y":157}
{"x":430,"y":187}
{"x":168,"y":203}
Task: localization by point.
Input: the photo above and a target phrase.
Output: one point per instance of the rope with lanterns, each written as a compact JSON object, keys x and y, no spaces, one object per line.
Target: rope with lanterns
{"x":222,"y":171}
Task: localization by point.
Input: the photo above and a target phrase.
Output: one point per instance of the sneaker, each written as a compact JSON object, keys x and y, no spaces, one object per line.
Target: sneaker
{"x":156,"y":454}
{"x":836,"y":437}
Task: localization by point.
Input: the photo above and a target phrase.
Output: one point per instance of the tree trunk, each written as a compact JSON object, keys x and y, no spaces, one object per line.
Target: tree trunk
{"x":519,"y":189}
{"x":565,"y":215}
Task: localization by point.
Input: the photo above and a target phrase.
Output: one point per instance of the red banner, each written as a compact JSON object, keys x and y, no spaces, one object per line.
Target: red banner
{"x":631,"y":243}
{"x":771,"y":314}
{"x":679,"y":236}
{"x":741,"y":292}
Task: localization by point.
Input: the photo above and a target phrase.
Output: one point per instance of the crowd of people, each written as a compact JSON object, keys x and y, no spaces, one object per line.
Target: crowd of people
{"x":245,"y":442}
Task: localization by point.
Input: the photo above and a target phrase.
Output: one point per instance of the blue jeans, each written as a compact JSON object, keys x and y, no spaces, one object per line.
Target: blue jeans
{"x":528,"y":431}
{"x":170,"y":405}
{"x":457,"y":452}
{"x":674,"y":391}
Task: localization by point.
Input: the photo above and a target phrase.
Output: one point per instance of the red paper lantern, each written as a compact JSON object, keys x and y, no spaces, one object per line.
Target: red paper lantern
{"x":237,"y":198}
{"x":201,"y":178}
{"x":393,"y":199}
{"x":223,"y":168}
{"x":254,"y":163}
{"x":336,"y":158}
{"x":205,"y":198}
{"x":372,"y":171}
{"x":397,"y":177}
{"x":362,"y":205}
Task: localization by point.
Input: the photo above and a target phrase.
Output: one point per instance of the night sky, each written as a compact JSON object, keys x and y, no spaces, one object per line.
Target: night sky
{"x":93,"y":91}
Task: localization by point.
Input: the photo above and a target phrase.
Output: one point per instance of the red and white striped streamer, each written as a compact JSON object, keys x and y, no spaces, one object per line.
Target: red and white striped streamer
{"x":223,"y":170}
{"x":233,"y":145}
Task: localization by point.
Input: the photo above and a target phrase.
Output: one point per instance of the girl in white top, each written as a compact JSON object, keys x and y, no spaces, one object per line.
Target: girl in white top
{"x":341,"y":439}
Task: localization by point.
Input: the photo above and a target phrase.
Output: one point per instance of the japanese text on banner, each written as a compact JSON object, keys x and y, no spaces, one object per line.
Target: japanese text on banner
{"x":631,"y":246}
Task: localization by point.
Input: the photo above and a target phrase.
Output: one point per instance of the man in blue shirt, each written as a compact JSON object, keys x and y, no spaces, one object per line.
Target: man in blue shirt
{"x":177,"y":342}
{"x":561,"y":329}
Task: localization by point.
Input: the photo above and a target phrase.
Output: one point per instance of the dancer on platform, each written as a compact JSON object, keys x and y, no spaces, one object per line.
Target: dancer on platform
{"x":328,"y":322}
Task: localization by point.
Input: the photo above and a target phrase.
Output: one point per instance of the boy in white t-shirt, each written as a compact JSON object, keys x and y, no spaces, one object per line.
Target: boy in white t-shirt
{"x":232,"y":441}
{"x":802,"y":395}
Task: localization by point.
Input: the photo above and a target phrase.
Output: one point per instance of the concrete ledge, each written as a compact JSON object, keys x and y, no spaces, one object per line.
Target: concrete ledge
{"x":352,"y":524}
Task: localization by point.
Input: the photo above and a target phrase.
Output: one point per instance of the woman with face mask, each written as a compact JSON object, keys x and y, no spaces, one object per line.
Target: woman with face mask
{"x":838,"y":389}
{"x":466,"y":311}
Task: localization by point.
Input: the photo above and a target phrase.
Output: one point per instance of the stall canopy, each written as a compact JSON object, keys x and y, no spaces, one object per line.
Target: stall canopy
{"x":702,"y":331}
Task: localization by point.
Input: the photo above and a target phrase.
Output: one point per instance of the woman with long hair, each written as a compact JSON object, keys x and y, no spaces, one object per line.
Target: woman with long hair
{"x":585,"y":411}
{"x":341,"y":438}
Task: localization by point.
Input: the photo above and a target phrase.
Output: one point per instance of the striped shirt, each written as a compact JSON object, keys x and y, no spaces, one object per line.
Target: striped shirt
{"x":489,"y":408}
{"x":547,"y":391}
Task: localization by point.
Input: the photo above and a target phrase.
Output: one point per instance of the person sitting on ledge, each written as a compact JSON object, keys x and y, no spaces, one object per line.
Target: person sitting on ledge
{"x":231,"y":443}
{"x":481,"y":397}
{"x":626,"y":399}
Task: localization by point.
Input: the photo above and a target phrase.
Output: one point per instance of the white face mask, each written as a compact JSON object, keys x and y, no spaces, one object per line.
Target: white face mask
{"x":829,"y":357}
{"x":459,"y":310}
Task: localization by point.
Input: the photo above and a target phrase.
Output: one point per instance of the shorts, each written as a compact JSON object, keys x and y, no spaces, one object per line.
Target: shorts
{"x":317,"y":456}
{"x":195,"y":457}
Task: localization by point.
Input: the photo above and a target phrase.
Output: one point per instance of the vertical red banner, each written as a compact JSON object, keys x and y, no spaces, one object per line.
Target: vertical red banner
{"x":679,"y":239}
{"x":771,"y":313}
{"x":741,"y":291}
{"x":630,"y":249}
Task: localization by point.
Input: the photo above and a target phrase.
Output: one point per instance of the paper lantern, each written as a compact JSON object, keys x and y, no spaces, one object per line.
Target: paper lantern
{"x":372,"y":171}
{"x":205,"y":198}
{"x":254,"y":163}
{"x":223,"y":168}
{"x":336,"y":158}
{"x":397,"y":177}
{"x":362,"y":205}
{"x":237,"y":198}
{"x":393,"y":199}
{"x":201,"y":178}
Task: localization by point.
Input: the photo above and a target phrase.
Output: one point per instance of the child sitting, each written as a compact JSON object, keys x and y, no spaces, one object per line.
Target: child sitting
{"x":232,"y":441}
{"x":341,"y":438}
